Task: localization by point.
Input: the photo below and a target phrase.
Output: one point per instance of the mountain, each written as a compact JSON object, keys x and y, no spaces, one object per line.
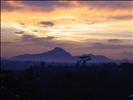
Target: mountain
{"x":59,"y":55}
{"x":55,"y":55}
{"x":99,"y":59}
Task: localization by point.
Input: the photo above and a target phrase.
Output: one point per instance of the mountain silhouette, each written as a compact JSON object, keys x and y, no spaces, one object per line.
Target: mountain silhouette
{"x":99,"y":58}
{"x":56,"y":55}
{"x":59,"y":55}
{"x":56,"y":52}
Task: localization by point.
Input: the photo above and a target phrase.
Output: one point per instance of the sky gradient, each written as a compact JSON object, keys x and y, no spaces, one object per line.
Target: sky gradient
{"x":80,"y":27}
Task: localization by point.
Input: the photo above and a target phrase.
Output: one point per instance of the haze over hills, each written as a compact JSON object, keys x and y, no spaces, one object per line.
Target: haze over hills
{"x":58,"y":55}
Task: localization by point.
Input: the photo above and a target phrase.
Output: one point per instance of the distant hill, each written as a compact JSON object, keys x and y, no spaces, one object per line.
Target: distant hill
{"x":99,"y":59}
{"x":59,"y":55}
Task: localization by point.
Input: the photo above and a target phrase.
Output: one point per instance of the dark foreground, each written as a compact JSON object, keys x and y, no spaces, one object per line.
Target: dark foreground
{"x":95,"y":82}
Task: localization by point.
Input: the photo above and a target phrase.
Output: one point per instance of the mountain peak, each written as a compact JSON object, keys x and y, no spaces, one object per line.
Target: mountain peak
{"x":58,"y":49}
{"x":59,"y":52}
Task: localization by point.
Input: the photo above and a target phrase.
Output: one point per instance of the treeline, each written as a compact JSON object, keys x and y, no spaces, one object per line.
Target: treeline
{"x":77,"y":82}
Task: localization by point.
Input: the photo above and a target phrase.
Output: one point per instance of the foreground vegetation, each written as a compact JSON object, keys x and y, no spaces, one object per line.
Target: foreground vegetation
{"x":76,"y":82}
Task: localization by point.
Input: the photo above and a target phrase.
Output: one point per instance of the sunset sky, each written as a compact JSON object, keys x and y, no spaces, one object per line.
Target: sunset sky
{"x":80,"y":27}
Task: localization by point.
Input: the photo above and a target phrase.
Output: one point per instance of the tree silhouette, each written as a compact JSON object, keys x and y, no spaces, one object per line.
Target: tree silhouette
{"x":98,"y":81}
{"x":42,"y":64}
{"x":83,"y":60}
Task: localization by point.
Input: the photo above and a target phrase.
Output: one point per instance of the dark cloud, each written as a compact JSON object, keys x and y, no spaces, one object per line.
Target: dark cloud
{"x":50,"y":5}
{"x":122,"y":17}
{"x":49,"y":41}
{"x":114,"y":41}
{"x":6,"y":6}
{"x":108,"y":4}
{"x":35,"y":30}
{"x":26,"y":38}
{"x":47,"y":4}
{"x":110,"y":46}
{"x":32,"y":38}
{"x":47,"y":23}
{"x":41,"y":5}
{"x":5,"y":43}
{"x":21,"y":32}
{"x":50,"y":37}
{"x":21,"y":23}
